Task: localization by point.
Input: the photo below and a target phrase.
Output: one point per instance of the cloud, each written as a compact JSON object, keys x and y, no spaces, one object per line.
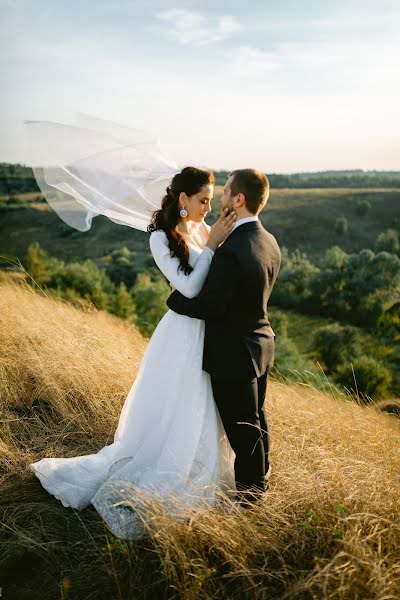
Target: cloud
{"x":196,"y":29}
{"x":249,"y":61}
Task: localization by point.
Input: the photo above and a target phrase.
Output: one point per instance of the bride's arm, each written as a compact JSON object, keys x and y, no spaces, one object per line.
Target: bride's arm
{"x":188,"y":285}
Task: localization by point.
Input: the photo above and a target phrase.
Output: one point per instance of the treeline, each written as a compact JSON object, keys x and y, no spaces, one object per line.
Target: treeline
{"x":328,"y":179}
{"x":18,"y":179}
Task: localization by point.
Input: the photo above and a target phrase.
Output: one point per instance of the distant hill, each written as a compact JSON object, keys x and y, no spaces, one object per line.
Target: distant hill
{"x":299,"y":218}
{"x":19,"y":179}
{"x":356,"y":178}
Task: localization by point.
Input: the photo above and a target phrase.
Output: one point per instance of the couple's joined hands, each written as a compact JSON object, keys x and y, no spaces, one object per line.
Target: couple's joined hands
{"x":221,"y":229}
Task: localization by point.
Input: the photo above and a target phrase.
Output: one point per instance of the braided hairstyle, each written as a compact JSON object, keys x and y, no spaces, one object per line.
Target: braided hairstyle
{"x":190,"y":180}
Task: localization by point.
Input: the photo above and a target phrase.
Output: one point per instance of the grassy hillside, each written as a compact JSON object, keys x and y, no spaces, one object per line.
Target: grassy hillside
{"x":329,"y":527}
{"x":303,"y":219}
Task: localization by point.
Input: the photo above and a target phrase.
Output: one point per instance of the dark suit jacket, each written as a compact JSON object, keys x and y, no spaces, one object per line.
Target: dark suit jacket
{"x":239,"y":341}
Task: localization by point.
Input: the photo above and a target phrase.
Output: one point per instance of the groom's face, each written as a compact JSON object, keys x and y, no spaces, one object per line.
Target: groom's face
{"x":227,"y":200}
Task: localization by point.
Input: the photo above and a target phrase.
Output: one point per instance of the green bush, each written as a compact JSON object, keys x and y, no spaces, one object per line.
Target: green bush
{"x":366,"y":377}
{"x":289,"y":363}
{"x":124,"y":306}
{"x":87,"y":279}
{"x":70,"y":280}
{"x":341,"y":225}
{"x":336,"y":344}
{"x":150,"y":297}
{"x":363,"y":207}
{"x":294,"y":284}
{"x":120,"y":266}
{"x":40,"y":266}
{"x":388,"y":241}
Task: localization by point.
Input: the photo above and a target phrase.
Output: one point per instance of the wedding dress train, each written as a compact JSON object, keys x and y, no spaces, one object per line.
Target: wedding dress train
{"x":170,"y":442}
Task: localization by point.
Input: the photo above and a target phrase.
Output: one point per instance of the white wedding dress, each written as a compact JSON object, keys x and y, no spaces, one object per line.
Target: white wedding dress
{"x":170,"y":442}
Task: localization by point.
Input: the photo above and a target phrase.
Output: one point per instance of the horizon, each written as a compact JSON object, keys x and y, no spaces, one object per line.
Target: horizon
{"x":270,"y":173}
{"x":286,"y":89}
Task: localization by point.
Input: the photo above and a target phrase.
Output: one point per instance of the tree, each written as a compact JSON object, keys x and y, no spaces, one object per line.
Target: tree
{"x":120,"y":266}
{"x":150,"y":302}
{"x":88,"y":280}
{"x":40,"y":265}
{"x":288,"y":360}
{"x":329,"y":286}
{"x":294,"y":284}
{"x":341,"y":225}
{"x":388,"y":241}
{"x":366,"y":377}
{"x":336,"y":344}
{"x":363,"y":207}
{"x":124,"y":306}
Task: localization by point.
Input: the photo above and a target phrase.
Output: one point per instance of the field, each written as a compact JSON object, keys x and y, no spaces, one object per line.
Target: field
{"x":328,"y":528}
{"x":300,"y":219}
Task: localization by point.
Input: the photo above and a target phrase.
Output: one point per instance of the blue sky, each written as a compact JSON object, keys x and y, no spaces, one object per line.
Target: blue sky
{"x":284,"y":87}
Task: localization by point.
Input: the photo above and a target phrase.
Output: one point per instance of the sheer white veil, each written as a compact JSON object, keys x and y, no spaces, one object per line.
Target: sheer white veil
{"x":98,"y":167}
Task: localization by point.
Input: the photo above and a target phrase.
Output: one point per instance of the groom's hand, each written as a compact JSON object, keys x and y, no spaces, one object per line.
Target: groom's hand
{"x":217,"y":292}
{"x":174,"y":302}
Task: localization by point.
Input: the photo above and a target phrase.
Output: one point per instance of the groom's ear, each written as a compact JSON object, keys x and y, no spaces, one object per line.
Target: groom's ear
{"x":240,"y":200}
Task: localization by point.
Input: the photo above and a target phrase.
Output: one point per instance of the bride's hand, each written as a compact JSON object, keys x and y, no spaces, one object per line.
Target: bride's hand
{"x":221,"y":229}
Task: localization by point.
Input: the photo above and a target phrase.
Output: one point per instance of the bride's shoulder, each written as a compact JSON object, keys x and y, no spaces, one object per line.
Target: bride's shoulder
{"x":158,"y":234}
{"x":158,"y":240}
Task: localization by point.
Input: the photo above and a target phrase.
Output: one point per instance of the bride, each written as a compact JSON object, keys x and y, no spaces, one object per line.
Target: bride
{"x":170,"y":442}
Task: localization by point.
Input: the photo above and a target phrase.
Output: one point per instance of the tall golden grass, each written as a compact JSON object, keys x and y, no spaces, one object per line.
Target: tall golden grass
{"x":329,"y":526}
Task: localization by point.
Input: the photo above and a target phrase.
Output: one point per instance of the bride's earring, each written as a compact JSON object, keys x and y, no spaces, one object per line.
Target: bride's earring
{"x":183,"y":212}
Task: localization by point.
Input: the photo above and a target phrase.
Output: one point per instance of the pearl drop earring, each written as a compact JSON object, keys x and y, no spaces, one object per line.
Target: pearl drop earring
{"x":183,"y":212}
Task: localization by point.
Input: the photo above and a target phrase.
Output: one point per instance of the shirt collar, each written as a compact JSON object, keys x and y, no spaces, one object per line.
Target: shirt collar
{"x":245,"y":220}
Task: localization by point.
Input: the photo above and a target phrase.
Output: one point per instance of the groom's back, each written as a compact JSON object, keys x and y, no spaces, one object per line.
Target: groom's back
{"x":245,"y":329}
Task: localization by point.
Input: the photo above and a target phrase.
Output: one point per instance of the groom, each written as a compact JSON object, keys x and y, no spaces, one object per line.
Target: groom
{"x":239,"y":342}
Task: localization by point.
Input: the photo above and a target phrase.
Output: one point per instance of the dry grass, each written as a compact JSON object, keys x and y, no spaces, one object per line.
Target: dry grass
{"x":329,"y":526}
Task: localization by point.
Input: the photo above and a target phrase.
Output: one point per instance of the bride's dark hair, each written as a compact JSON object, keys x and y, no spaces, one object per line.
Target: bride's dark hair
{"x":190,"y":180}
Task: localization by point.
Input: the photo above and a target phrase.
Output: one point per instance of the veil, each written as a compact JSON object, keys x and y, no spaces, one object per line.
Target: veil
{"x":98,"y":167}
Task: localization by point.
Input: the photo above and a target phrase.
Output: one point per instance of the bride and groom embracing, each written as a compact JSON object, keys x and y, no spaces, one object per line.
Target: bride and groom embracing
{"x":193,"y":423}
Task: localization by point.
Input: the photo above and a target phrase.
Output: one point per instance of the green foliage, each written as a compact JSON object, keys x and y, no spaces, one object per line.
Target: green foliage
{"x":358,"y":287}
{"x":372,"y":284}
{"x":341,"y":225}
{"x":388,"y":241}
{"x":84,"y":280}
{"x":40,"y":265}
{"x":87,"y":279}
{"x":16,"y":179}
{"x":289,"y":362}
{"x":294,"y":283}
{"x":363,"y":207}
{"x":124,"y":306}
{"x":150,"y":297}
{"x":366,"y":377}
{"x":336,"y":344}
{"x":120,"y":266}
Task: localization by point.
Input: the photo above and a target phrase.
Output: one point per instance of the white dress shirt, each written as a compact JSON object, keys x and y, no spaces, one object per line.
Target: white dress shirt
{"x":244,"y":220}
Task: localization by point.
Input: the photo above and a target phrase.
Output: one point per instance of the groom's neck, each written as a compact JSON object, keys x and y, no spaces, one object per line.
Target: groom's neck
{"x":243,"y":214}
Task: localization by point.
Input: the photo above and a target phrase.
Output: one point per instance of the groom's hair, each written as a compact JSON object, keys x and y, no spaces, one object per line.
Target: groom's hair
{"x":254,"y":185}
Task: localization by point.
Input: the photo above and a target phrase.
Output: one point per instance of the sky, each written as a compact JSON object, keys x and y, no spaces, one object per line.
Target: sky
{"x":284,"y":86}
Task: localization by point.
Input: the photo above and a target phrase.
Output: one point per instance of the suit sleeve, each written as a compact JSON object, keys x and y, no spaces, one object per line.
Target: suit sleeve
{"x":217,"y":292}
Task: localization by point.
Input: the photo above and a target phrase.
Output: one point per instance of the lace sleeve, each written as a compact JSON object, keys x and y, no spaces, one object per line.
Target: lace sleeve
{"x":188,"y":285}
